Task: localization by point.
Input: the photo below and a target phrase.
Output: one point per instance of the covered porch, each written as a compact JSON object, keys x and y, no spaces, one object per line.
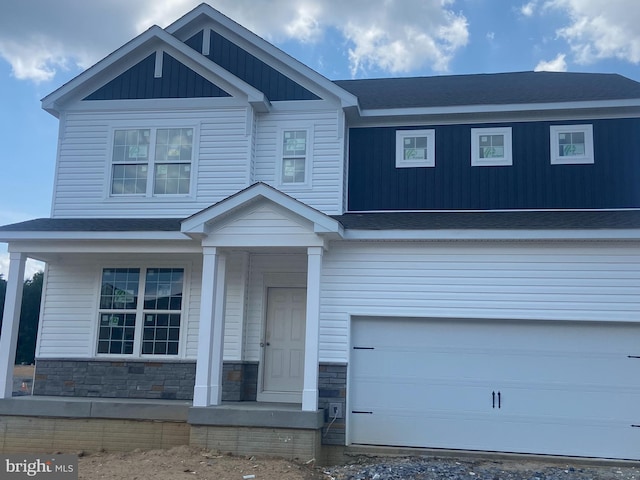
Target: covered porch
{"x":269,"y":234}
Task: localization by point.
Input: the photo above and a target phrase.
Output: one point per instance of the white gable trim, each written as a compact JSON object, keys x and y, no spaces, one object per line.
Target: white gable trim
{"x":196,"y":225}
{"x":204,"y":15}
{"x":152,"y":40}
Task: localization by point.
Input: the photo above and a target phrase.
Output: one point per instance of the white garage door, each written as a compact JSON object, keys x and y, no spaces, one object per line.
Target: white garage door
{"x":529,"y":387}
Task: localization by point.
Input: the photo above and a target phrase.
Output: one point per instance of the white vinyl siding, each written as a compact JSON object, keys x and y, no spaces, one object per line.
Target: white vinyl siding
{"x":326,"y":163}
{"x":84,"y":162}
{"x":69,"y":310}
{"x":235,"y":149}
{"x":69,"y":317}
{"x":550,"y":281}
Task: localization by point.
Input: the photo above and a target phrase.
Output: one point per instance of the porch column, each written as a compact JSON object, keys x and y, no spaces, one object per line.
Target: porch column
{"x":11,"y":322}
{"x":312,"y":334}
{"x":208,"y":387}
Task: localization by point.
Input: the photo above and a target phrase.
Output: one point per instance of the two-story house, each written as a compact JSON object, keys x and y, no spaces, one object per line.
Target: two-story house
{"x":443,"y":262}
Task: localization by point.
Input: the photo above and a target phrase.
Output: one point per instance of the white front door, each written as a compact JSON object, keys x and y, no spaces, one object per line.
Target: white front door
{"x":283,"y":345}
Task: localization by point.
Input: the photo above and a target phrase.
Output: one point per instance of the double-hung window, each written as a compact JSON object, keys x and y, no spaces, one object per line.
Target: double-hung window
{"x":571,"y":144}
{"x":295,"y":153}
{"x":131,"y":323}
{"x":491,"y":146}
{"x":152,"y":161}
{"x":415,"y":148}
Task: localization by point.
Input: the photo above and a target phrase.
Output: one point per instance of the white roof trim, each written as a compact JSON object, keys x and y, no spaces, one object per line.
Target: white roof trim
{"x":14,"y":236}
{"x":477,"y":234}
{"x":517,"y":107}
{"x":206,"y":12}
{"x":197,"y":223}
{"x":151,"y":38}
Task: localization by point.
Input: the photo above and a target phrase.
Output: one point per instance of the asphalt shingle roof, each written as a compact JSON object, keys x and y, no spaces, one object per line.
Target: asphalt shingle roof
{"x":539,"y":220}
{"x":95,"y":225}
{"x":490,"y":89}
{"x":521,"y":220}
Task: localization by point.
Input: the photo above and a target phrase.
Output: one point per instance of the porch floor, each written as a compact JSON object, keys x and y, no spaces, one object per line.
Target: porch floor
{"x":248,"y":414}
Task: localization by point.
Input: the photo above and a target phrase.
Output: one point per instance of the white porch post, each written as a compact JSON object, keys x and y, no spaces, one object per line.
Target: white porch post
{"x":312,"y":334}
{"x":208,"y":387}
{"x":11,"y":322}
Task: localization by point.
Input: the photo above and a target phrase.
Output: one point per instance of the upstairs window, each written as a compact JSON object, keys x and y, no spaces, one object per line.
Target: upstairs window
{"x":131,"y":325}
{"x":491,"y":147}
{"x":571,"y":144}
{"x":166,"y":152}
{"x":294,"y":156}
{"x":415,"y":148}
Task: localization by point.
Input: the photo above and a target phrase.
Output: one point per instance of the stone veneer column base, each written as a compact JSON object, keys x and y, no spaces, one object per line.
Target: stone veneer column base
{"x":332,"y":388}
{"x":144,"y":379}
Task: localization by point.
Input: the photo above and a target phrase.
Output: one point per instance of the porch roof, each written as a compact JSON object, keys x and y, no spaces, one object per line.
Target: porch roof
{"x":492,"y":220}
{"x":476,"y":220}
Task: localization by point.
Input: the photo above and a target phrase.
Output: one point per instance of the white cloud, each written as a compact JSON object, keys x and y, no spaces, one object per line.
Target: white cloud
{"x":528,"y":9}
{"x":377,"y":34}
{"x":601,"y":29}
{"x":30,"y":268}
{"x":558,"y":64}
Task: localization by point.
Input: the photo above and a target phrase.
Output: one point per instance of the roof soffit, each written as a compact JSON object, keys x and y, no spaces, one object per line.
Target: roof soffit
{"x":154,"y":39}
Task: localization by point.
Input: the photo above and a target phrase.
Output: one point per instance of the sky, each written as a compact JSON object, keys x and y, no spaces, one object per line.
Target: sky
{"x":44,"y":44}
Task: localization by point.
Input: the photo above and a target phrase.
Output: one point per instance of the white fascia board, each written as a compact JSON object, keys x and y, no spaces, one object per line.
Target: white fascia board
{"x":44,"y":247}
{"x":512,"y":235}
{"x":196,"y":224}
{"x":54,"y":236}
{"x":198,"y":17}
{"x":507,"y":108}
{"x":153,"y":39}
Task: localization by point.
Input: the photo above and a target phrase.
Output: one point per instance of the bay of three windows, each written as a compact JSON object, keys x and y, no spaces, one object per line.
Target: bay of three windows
{"x":568,"y":144}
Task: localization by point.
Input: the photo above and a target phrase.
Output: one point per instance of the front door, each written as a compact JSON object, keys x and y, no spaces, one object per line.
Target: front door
{"x":283,"y":345}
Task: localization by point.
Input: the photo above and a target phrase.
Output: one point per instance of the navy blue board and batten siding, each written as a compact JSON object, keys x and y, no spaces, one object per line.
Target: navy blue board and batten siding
{"x":275,"y":85}
{"x":139,"y":83}
{"x":530,"y":183}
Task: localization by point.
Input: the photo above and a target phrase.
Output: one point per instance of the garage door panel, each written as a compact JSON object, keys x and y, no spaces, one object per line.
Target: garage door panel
{"x":565,"y":388}
{"x":423,"y":397}
{"x":513,"y":434}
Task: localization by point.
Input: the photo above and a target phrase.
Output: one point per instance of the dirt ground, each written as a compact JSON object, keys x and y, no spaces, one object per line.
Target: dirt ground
{"x":190,"y":463}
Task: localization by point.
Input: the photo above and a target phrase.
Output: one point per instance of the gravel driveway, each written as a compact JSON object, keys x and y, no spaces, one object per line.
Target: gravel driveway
{"x":426,"y":468}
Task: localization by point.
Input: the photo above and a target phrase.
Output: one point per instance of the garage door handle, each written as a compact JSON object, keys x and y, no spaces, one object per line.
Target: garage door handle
{"x":493,"y":399}
{"x":499,"y":400}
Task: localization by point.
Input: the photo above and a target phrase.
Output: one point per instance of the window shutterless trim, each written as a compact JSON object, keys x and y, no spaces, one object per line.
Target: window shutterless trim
{"x":554,"y":144}
{"x":151,"y":163}
{"x":482,"y":161}
{"x":430,"y":157}
{"x":281,"y":157}
{"x":140,"y":309}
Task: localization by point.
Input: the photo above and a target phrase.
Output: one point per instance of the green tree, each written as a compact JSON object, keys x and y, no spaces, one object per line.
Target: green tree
{"x":28,"y":329}
{"x":29,"y":315}
{"x":3,"y":291}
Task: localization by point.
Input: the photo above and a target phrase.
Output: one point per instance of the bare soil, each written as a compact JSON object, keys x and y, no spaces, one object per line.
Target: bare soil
{"x":190,"y":463}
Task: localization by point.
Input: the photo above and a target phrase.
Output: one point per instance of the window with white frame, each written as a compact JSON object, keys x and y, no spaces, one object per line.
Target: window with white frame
{"x":130,"y":325}
{"x":415,"y":148}
{"x":295,"y":152}
{"x":491,"y":146}
{"x":151,"y":161}
{"x":571,"y":144}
